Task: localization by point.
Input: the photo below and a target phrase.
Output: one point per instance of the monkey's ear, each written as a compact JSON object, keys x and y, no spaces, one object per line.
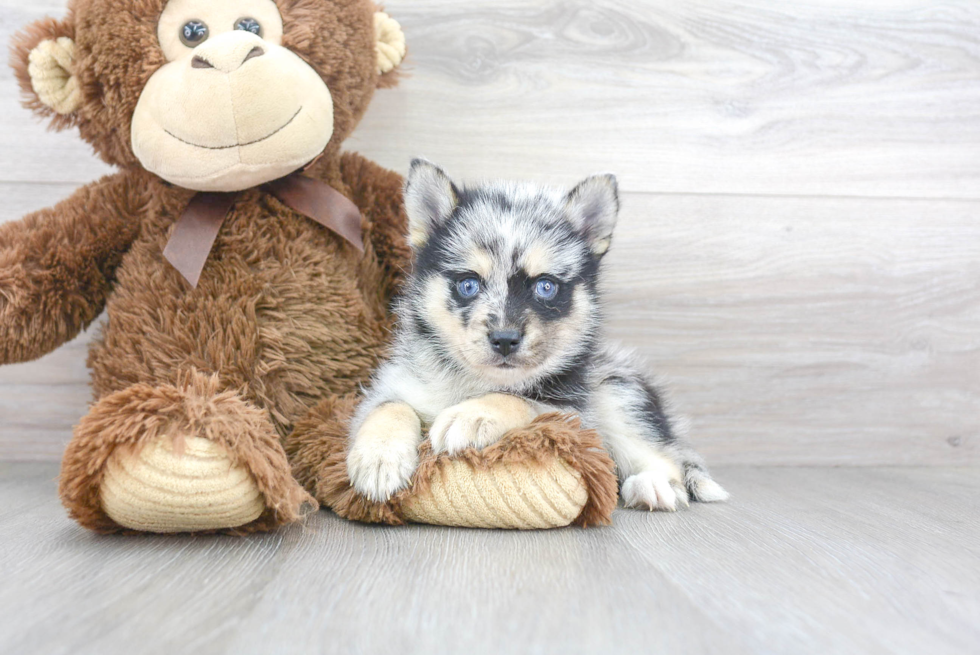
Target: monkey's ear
{"x":430,"y":198}
{"x":389,"y":43}
{"x":592,"y":207}
{"x":43,"y":58}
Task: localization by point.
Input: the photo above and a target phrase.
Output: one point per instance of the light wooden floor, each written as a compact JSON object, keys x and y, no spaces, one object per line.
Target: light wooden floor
{"x":798,"y":254}
{"x":803,"y":560}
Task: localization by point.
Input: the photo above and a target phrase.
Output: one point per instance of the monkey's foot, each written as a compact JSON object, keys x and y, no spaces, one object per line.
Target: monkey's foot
{"x":182,"y":458}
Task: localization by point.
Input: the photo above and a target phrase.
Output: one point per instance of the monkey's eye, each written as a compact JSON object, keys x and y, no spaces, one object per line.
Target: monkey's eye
{"x":249,"y":25}
{"x":469,"y":287}
{"x":545,"y":289}
{"x":193,"y":33}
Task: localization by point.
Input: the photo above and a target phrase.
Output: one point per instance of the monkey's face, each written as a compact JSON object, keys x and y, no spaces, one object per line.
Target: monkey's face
{"x":211,"y":95}
{"x":232,"y":108}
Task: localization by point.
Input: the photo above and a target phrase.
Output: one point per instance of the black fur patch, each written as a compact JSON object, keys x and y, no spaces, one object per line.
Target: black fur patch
{"x":497,"y":198}
{"x":436,"y":255}
{"x":521,"y":298}
{"x":652,"y":409}
{"x":567,"y":388}
{"x":433,"y":256}
{"x":589,"y":275}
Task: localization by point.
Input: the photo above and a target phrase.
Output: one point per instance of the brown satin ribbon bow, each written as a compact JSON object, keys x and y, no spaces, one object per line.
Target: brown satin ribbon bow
{"x":197,"y":228}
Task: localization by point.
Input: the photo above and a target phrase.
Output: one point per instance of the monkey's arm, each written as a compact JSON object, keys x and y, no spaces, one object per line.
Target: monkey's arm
{"x":57,"y":266}
{"x":378,"y":192}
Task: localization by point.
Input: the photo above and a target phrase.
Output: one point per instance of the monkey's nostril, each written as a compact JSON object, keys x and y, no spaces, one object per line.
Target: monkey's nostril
{"x":253,"y":53}
{"x":200,"y":62}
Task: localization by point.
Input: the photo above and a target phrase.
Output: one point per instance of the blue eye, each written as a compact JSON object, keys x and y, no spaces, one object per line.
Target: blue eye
{"x":546,"y":289}
{"x":468,"y":287}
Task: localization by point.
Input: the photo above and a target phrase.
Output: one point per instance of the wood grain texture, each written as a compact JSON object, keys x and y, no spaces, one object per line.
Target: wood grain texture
{"x":830,"y":327}
{"x":868,"y":98}
{"x":816,"y":331}
{"x":803,"y":560}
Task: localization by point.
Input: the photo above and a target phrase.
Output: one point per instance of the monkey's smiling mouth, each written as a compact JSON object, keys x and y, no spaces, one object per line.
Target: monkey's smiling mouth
{"x":238,"y":145}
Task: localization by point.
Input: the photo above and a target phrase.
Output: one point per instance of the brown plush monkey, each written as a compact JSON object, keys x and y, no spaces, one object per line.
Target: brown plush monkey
{"x":245,"y":264}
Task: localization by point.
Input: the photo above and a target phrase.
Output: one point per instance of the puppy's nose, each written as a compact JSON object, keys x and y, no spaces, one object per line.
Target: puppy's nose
{"x":505,"y":341}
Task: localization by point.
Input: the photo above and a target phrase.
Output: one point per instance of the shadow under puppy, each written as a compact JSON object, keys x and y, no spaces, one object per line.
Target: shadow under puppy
{"x":500,"y":322}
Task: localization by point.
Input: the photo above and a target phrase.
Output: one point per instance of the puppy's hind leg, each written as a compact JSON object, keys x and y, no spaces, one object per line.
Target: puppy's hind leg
{"x":637,"y":435}
{"x":657,"y":468}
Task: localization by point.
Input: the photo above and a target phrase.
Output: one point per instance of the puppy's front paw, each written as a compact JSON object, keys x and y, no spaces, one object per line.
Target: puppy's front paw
{"x":653,"y":490}
{"x":479,"y":422}
{"x":384,"y":453}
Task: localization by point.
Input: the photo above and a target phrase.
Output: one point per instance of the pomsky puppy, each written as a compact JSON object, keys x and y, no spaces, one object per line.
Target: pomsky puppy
{"x":500,"y":321}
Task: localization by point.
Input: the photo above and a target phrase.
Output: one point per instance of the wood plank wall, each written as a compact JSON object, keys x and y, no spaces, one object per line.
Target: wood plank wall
{"x":799,"y":249}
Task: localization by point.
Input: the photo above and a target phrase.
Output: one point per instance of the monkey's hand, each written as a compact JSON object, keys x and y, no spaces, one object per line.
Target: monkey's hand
{"x":57,"y":267}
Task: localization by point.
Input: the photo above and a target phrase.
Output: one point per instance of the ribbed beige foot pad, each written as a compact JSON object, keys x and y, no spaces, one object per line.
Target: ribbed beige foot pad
{"x":160,"y":489}
{"x":516,"y":496}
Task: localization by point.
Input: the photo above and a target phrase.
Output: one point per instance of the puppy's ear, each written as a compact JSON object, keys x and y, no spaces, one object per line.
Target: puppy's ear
{"x":430,"y":198}
{"x":592,"y":207}
{"x":43,"y":58}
